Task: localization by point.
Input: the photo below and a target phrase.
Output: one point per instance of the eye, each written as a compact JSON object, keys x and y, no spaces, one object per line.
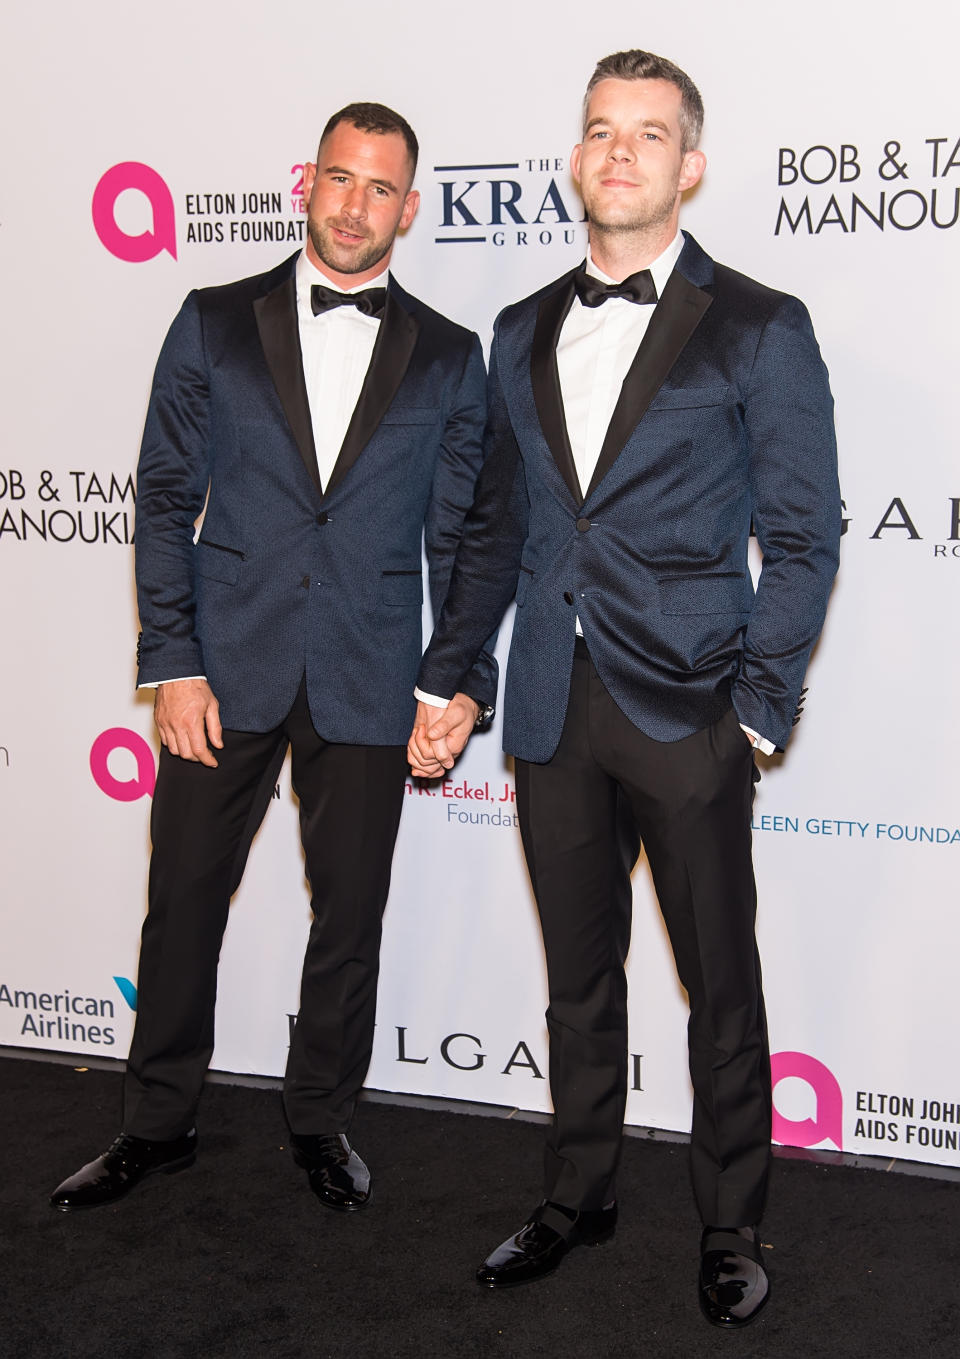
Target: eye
{"x":599,"y":134}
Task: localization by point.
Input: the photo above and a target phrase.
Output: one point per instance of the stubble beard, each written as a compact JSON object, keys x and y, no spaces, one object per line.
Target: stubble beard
{"x":340,"y":259}
{"x":644,"y":219}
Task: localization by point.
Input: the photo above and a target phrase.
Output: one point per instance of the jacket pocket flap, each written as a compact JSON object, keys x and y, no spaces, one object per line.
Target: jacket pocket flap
{"x":217,"y":563}
{"x":402,"y":587}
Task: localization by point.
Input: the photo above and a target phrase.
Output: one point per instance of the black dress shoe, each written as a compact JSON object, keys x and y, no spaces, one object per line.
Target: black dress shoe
{"x":543,"y":1241}
{"x":733,"y":1284}
{"x":337,"y":1175}
{"x":123,"y":1165}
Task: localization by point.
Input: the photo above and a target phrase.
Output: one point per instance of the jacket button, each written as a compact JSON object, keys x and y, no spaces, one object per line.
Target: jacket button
{"x":583,"y":525}
{"x":322,"y":517}
{"x":567,"y":597}
{"x":305,"y":583}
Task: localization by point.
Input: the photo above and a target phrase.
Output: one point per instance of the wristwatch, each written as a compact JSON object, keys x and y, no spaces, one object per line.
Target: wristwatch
{"x":484,"y":716}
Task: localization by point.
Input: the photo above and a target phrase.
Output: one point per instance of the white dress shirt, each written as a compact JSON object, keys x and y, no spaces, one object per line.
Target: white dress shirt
{"x":596,"y":348}
{"x":336,"y":348}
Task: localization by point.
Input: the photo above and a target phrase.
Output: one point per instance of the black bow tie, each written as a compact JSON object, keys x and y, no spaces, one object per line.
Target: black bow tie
{"x":637,"y":288}
{"x":371,"y":301}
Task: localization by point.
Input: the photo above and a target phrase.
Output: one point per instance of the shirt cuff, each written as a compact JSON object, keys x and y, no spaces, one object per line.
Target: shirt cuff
{"x":155,"y":684}
{"x":759,"y":742}
{"x":432,"y":699}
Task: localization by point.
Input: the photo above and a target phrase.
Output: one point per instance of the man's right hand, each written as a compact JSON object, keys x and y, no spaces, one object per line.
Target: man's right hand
{"x":439,"y":735}
{"x":188,"y":717}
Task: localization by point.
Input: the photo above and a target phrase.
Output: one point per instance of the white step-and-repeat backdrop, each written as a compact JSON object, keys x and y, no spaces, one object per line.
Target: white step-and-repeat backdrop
{"x":154,"y":150}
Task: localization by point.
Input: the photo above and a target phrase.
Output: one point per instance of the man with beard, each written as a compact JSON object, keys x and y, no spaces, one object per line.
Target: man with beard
{"x":644,"y":410}
{"x":328,"y":420}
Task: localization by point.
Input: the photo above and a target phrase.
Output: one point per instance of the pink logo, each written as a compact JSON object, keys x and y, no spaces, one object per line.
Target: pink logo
{"x":123,"y":790}
{"x":131,"y":174}
{"x":828,"y":1123}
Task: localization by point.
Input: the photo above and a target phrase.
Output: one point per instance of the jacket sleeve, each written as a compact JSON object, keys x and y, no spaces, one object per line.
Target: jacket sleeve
{"x":459,"y":463}
{"x":172,"y":479}
{"x":788,"y":413}
{"x":484,"y":578}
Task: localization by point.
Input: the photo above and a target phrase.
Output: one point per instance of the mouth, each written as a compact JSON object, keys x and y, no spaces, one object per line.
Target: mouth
{"x":343,"y":234}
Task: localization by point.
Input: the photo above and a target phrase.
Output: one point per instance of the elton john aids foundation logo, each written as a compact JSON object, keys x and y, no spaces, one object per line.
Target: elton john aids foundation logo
{"x":133,"y":175}
{"x":118,"y":753}
{"x":827,"y":1122}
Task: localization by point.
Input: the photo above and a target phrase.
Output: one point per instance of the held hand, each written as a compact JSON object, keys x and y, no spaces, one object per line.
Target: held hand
{"x":440,"y":734}
{"x":187,"y":717}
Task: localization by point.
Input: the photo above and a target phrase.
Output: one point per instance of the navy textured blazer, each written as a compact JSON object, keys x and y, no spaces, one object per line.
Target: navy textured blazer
{"x":725,"y":419}
{"x":287,"y":579}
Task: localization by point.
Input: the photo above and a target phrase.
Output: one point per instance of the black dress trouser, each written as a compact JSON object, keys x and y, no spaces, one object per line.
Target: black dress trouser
{"x":202,"y":823}
{"x":583,"y":817}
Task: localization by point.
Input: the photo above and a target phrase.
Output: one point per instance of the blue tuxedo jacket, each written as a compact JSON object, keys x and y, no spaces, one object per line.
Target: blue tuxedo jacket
{"x":287,"y":578}
{"x":725,"y":419}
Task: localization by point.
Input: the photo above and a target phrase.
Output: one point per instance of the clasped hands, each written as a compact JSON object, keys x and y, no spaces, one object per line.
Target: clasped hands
{"x":440,"y":734}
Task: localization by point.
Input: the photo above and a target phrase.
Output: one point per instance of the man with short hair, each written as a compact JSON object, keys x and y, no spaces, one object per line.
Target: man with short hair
{"x":645,"y":409}
{"x":326,"y":419}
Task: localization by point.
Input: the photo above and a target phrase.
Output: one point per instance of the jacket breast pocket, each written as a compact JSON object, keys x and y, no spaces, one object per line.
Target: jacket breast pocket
{"x":216,"y":562}
{"x":411,"y":415}
{"x":402,"y":587}
{"x":723,"y":593}
{"x":692,"y":398}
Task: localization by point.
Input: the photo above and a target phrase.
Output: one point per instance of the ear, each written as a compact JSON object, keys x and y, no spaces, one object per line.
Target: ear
{"x":691,"y":169}
{"x":575,"y":162}
{"x":309,"y":176}
{"x":410,"y":205}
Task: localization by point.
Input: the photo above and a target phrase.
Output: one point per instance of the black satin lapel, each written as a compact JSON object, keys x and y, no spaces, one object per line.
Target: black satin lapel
{"x":392,"y":350}
{"x":545,"y":380}
{"x":276,"y":314}
{"x":675,"y":318}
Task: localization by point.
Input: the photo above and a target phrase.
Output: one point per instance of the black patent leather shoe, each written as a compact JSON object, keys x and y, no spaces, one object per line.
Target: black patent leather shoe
{"x":542,"y":1242}
{"x":123,"y":1165}
{"x":337,"y":1176}
{"x":733,"y":1284}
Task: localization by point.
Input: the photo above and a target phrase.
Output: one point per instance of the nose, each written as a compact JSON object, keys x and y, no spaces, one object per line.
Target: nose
{"x":355,"y":203}
{"x":619,"y":147}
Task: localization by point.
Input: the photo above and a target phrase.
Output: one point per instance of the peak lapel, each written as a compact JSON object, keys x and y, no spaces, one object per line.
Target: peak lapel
{"x":675,"y":318}
{"x":545,"y":379}
{"x":276,"y":314}
{"x":391,"y":355}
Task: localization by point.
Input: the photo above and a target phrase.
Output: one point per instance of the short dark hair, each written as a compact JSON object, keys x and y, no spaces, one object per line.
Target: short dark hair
{"x":637,"y":65}
{"x":376,"y":118}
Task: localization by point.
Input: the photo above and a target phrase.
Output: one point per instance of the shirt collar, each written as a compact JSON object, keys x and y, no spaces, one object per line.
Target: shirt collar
{"x":661,"y":268}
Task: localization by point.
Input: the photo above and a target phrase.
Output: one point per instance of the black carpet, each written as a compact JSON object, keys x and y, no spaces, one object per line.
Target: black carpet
{"x":235,"y":1257}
